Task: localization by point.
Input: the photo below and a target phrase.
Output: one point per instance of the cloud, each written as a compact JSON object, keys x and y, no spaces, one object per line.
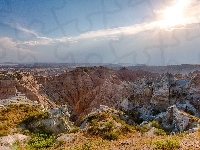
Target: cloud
{"x":191,"y":12}
{"x":20,"y":28}
{"x":28,"y":31}
{"x":110,"y":34}
{"x":179,"y":13}
{"x":11,"y":50}
{"x":139,"y":43}
{"x":13,"y":46}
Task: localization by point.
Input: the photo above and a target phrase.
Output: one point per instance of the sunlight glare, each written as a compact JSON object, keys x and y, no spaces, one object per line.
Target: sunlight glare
{"x":174,"y":15}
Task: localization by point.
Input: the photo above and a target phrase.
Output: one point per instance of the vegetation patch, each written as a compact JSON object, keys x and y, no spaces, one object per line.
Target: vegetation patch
{"x":107,"y":126}
{"x":74,"y":129}
{"x":159,"y":132}
{"x":41,"y":140}
{"x":143,"y":128}
{"x":13,"y":115}
{"x":111,"y":135}
{"x":155,"y":124}
{"x":34,"y":116}
{"x":167,"y":144}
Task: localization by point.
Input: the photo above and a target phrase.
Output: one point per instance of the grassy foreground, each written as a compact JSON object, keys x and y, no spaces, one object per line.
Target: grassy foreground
{"x":110,"y":137}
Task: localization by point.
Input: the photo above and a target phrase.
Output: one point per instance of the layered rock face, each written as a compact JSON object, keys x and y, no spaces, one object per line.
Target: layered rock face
{"x":154,"y":95}
{"x":87,"y":88}
{"x":27,"y":85}
{"x":7,"y":88}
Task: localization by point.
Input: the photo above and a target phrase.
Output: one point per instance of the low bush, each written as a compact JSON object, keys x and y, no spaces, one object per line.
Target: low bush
{"x":143,"y":128}
{"x":86,"y":146}
{"x":155,"y":124}
{"x":167,"y":144}
{"x":99,"y":128}
{"x":125,"y":127}
{"x":13,"y":115}
{"x":74,"y":129}
{"x":40,"y":140}
{"x":159,"y":132}
{"x":111,"y":135}
{"x":107,"y":126}
{"x":35,"y":116}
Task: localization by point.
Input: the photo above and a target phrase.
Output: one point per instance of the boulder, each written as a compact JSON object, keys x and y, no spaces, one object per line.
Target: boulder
{"x":174,"y":120}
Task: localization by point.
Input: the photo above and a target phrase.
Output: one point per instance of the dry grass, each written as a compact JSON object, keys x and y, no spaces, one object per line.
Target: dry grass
{"x":133,"y":140}
{"x":13,"y":115}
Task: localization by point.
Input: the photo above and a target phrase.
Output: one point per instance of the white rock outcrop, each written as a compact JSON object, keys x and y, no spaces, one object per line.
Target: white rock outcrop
{"x":174,"y":120}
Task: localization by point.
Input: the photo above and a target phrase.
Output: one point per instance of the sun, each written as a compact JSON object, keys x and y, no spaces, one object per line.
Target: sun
{"x":174,"y":15}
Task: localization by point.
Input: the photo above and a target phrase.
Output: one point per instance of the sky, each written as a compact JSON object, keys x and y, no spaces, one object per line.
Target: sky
{"x":151,"y":32}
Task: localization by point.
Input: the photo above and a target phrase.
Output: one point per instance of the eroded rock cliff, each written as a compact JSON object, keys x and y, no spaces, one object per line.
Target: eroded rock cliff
{"x":136,"y":92}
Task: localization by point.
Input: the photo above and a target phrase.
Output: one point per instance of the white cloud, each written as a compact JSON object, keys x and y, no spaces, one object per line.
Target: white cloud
{"x":110,"y":34}
{"x":135,"y":39}
{"x":13,"y":51}
{"x":9,"y":44}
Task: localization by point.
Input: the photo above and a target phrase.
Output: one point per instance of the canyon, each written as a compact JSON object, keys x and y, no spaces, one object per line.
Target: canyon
{"x":90,"y":102}
{"x":85,"y":88}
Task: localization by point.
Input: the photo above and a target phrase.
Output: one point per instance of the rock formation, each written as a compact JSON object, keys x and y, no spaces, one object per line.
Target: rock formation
{"x":55,"y":120}
{"x":139,"y":93}
{"x":175,"y":121}
{"x":87,"y":88}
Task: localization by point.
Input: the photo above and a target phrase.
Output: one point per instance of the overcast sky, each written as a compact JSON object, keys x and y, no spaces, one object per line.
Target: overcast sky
{"x":151,"y":32}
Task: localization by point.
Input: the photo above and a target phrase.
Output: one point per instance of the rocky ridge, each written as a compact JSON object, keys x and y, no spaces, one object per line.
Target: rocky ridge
{"x":106,"y":104}
{"x":135,"y":92}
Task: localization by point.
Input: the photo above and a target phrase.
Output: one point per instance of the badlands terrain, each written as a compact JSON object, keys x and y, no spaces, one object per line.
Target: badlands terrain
{"x":99,"y":107}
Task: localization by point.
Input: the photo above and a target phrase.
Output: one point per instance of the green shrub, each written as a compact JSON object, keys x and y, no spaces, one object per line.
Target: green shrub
{"x":86,"y":146}
{"x":111,"y":135}
{"x":103,"y":129}
{"x":35,"y":116}
{"x":104,"y":126}
{"x":74,"y":129}
{"x":167,"y":144}
{"x":155,"y":124}
{"x":142,"y":129}
{"x":16,"y":146}
{"x":40,"y":140}
{"x":26,"y":132}
{"x":94,"y":127}
{"x":125,"y":127}
{"x":159,"y":132}
{"x":13,"y":115}
{"x":107,"y":126}
{"x":99,"y":117}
